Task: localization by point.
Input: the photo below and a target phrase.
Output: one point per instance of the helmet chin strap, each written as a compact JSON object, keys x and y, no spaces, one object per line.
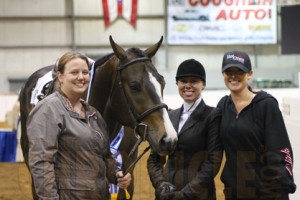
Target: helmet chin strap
{"x":193,"y":103}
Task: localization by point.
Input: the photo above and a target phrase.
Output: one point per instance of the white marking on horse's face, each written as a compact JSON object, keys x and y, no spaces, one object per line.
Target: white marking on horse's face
{"x":170,"y":131}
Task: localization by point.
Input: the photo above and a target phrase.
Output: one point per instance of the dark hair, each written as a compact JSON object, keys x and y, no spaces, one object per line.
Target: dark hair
{"x":251,"y":90}
{"x":68,"y":57}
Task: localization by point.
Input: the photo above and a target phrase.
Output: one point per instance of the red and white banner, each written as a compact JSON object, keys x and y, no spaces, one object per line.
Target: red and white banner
{"x":114,"y":8}
{"x":222,"y":22}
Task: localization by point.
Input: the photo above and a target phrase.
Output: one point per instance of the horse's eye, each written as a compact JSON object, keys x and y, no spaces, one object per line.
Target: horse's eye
{"x":135,"y":87}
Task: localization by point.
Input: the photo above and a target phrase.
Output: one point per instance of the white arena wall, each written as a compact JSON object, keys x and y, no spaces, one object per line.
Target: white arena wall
{"x":34,"y":33}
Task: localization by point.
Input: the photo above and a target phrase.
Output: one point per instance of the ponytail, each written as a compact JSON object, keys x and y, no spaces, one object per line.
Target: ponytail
{"x":251,"y":90}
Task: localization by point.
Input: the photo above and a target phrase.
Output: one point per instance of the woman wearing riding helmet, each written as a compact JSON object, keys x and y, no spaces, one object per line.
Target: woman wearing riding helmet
{"x":190,"y":170}
{"x":259,"y":157}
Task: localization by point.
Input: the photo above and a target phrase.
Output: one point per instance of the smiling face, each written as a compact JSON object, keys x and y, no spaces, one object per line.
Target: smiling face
{"x":75,"y":78}
{"x":235,"y":79}
{"x":190,"y":88}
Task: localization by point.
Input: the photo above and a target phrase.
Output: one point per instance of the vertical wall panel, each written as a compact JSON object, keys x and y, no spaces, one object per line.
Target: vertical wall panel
{"x":291,"y":113}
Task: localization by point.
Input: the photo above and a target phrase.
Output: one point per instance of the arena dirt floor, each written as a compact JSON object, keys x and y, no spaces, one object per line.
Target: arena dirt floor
{"x":15,"y":182}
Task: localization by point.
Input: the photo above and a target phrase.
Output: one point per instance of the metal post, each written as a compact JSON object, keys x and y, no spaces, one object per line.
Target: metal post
{"x":166,"y":36}
{"x":73,"y":42}
{"x":255,"y":56}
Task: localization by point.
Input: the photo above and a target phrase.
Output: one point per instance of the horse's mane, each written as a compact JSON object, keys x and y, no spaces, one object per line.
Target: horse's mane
{"x":99,"y":62}
{"x":102,"y":60}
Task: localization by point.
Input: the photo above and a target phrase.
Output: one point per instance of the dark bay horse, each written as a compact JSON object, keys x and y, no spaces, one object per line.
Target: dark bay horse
{"x":127,"y":90}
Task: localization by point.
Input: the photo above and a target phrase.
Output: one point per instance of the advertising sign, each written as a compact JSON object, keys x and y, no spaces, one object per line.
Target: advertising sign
{"x":221,"y":22}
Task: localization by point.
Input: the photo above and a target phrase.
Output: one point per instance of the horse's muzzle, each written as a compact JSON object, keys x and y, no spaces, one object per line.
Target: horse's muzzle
{"x":167,"y":145}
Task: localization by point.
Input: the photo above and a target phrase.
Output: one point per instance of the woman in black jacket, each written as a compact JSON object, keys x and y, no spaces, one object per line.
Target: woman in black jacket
{"x":259,"y":157}
{"x":190,"y":170}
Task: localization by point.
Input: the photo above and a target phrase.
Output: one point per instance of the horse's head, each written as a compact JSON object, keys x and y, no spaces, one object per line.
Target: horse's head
{"x":140,"y":89}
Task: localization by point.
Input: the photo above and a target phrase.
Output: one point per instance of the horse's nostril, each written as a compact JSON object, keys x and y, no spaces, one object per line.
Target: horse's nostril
{"x":162,"y":142}
{"x":166,"y":144}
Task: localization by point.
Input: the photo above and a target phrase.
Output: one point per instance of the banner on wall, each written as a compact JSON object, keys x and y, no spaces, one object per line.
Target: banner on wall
{"x":114,"y":8}
{"x":221,"y":22}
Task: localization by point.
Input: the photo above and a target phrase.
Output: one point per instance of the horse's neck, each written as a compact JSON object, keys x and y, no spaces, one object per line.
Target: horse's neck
{"x":101,"y":87}
{"x":100,"y":94}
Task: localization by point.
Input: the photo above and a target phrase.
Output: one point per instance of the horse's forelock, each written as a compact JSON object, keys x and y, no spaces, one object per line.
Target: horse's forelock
{"x":157,"y":75}
{"x":139,"y":53}
{"x":136,"y":51}
{"x":160,"y":79}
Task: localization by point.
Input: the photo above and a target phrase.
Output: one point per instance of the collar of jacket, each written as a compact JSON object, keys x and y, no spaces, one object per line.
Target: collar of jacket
{"x":198,"y":114}
{"x":90,"y":111}
{"x":190,"y":107}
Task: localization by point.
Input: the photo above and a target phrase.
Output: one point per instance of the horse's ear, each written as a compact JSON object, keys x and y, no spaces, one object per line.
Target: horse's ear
{"x":151,"y":51}
{"x":119,"y":51}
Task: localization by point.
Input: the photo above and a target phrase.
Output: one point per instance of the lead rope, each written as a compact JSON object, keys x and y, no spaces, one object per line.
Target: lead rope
{"x":139,"y":141}
{"x":136,"y":160}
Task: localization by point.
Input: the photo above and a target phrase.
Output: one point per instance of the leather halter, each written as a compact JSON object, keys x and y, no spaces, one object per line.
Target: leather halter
{"x":136,"y":118}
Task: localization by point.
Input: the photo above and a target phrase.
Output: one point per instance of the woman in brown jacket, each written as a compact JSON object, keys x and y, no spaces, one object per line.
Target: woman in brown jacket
{"x":69,"y":155}
{"x":189,"y":172}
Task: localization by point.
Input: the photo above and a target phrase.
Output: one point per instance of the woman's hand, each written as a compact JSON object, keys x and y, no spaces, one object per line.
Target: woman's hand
{"x":123,"y":181}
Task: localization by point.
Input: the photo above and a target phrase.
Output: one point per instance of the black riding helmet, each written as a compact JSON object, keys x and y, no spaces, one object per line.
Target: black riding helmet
{"x":191,"y":68}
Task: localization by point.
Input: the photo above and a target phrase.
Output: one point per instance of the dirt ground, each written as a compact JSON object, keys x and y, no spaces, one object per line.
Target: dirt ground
{"x":15,"y":182}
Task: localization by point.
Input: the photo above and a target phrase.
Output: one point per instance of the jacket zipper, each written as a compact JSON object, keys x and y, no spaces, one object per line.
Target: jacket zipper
{"x":91,"y":115}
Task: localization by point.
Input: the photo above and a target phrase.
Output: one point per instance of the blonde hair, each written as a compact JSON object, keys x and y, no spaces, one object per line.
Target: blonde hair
{"x":60,"y":64}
